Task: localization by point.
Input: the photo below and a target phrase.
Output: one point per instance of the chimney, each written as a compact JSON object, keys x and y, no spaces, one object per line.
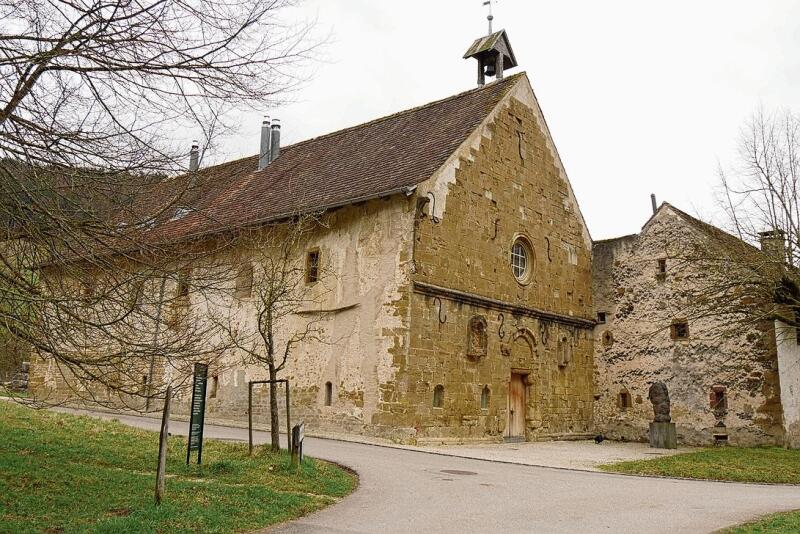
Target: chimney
{"x":264,"y":150}
{"x":773,"y":244}
{"x":194,"y":157}
{"x":275,"y":145}
{"x":654,"y":203}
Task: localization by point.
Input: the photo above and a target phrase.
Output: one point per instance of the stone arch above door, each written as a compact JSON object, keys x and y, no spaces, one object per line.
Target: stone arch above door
{"x":521,"y":345}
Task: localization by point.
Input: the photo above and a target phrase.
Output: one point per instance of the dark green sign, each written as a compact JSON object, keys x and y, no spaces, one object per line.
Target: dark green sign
{"x":198,"y":413}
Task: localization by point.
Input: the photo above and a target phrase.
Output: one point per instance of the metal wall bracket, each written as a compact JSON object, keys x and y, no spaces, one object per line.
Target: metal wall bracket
{"x":442,"y":319}
{"x":434,"y":218}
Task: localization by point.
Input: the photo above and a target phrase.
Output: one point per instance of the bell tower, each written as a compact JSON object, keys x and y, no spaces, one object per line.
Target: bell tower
{"x":493,"y":52}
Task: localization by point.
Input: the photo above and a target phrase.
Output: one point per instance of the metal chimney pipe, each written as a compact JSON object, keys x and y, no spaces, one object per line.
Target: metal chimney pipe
{"x":653,"y":202}
{"x":275,"y":146}
{"x":264,"y":149}
{"x":194,"y":157}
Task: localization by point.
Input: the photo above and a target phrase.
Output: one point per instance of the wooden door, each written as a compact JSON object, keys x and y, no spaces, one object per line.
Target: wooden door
{"x":516,"y":407}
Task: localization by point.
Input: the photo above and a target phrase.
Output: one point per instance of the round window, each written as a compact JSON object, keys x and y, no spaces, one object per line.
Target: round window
{"x":521,"y":259}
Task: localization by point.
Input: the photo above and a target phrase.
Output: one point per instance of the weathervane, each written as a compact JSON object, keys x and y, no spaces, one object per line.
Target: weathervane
{"x":490,"y":18}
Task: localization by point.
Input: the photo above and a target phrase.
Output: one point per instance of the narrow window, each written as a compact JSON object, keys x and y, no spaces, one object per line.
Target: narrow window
{"x":679,"y":330}
{"x":719,"y":400}
{"x":182,"y":290}
{"x":624,"y":400}
{"x":312,"y":266}
{"x":144,"y":384}
{"x":438,"y":396}
{"x":212,"y":392}
{"x":661,"y":270}
{"x":485,"y":394}
{"x":523,"y":150}
{"x":601,"y":317}
{"x":608,"y":338}
{"x":88,"y":287}
{"x":328,"y":393}
{"x":244,"y":280}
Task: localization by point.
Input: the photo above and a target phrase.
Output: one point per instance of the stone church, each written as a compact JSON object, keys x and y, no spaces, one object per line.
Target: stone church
{"x":461,"y":267}
{"x":460,"y":289}
{"x":459,"y":285}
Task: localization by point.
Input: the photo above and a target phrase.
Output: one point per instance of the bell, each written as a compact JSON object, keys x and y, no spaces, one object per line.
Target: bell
{"x":490,"y":69}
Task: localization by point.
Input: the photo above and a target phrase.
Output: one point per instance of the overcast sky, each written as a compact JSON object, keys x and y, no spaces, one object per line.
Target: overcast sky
{"x":641,"y":97}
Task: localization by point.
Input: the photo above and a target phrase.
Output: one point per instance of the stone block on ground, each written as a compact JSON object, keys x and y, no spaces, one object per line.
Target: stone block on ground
{"x":663,"y":436}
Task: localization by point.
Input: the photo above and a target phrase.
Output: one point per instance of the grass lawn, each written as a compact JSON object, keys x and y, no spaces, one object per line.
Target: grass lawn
{"x":61,"y":473}
{"x":774,"y":524}
{"x":762,"y":464}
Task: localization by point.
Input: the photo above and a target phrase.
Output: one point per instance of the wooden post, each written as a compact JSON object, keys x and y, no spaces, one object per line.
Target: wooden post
{"x":162,"y":447}
{"x":250,"y":417}
{"x":498,"y":66}
{"x":298,"y":434}
{"x":288,"y":420}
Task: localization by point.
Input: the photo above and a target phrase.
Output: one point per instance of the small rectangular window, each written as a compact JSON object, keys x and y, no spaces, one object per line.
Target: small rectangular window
{"x":312,"y":266}
{"x":661,"y":270}
{"x":624,"y":400}
{"x":601,"y":317}
{"x":212,"y":392}
{"x":88,"y":287}
{"x":680,"y":330}
{"x":244,"y":280}
{"x":182,"y":286}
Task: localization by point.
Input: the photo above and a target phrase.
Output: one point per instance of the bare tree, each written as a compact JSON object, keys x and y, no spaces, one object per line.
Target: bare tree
{"x":281,"y":285}
{"x":750,"y":271}
{"x":94,"y":276}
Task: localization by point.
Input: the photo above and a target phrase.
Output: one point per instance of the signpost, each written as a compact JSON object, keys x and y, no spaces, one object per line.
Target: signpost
{"x":198,"y":413}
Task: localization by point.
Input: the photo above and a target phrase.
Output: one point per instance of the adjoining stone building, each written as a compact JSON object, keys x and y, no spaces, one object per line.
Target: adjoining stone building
{"x":458,"y":304}
{"x":740,"y":389}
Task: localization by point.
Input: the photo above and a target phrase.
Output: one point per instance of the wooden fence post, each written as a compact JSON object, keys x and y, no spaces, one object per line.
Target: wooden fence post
{"x":162,"y":447}
{"x":250,"y":417}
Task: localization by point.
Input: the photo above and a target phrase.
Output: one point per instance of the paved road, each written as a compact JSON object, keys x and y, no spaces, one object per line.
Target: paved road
{"x":407,"y":491}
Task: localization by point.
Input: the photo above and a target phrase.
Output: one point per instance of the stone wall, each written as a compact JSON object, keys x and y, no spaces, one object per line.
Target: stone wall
{"x":506,"y":183}
{"x":635,"y":347}
{"x":364,"y":250}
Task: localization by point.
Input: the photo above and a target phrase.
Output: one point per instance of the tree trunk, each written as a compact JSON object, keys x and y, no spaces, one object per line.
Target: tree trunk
{"x":274,"y":428}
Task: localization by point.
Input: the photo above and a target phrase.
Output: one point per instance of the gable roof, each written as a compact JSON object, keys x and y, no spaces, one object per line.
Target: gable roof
{"x":379,"y":158}
{"x":718,"y":235}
